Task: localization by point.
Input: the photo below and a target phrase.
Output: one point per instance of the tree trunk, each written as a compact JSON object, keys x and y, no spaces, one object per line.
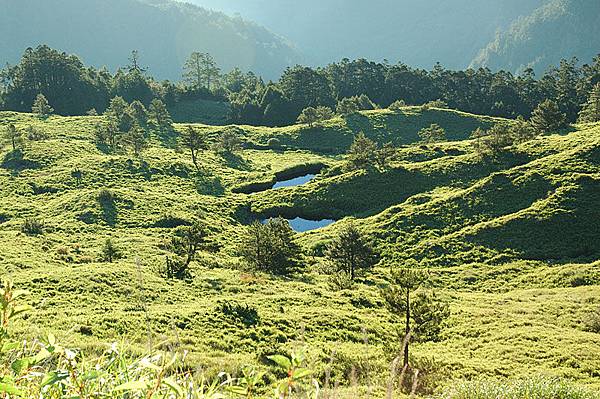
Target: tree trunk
{"x":194,"y":159}
{"x":407,"y":331}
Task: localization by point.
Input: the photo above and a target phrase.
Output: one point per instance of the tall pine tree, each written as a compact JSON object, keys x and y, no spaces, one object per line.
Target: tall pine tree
{"x":547,"y":117}
{"x":591,"y":109}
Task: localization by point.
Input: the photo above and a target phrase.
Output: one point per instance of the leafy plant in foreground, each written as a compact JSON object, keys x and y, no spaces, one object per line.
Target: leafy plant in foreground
{"x":44,"y":369}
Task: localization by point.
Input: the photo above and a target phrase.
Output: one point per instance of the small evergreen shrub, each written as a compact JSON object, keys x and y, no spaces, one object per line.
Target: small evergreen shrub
{"x":32,"y":227}
{"x":274,"y":143}
{"x":106,"y":197}
{"x":244,"y":313}
{"x":592,"y":323}
{"x":397,"y":105}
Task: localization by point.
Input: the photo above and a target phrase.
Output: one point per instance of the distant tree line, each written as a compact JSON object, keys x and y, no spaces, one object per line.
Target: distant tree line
{"x":349,"y":86}
{"x":71,"y":88}
{"x":302,"y":93}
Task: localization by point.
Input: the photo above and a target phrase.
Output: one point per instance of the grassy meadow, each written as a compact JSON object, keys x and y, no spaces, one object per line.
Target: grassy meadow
{"x":511,"y":241}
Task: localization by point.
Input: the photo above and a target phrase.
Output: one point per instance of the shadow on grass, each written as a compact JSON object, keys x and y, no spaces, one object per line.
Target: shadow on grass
{"x":16,"y":162}
{"x":139,"y":167}
{"x":235,"y":161}
{"x":167,"y":137}
{"x":209,"y":185}
{"x":110,"y":212}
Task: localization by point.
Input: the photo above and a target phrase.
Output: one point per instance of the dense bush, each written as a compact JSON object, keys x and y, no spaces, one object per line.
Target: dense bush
{"x":270,"y":247}
{"x":32,"y":226}
{"x":246,"y":314}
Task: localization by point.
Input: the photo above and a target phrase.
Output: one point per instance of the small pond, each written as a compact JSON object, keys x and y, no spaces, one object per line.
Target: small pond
{"x":301,"y":225}
{"x":294,"y":182}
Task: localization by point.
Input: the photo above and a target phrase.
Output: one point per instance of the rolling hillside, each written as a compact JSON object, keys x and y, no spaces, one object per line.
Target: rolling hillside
{"x":509,"y":241}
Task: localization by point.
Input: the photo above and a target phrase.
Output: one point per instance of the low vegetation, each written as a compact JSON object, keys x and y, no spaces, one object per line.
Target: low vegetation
{"x":165,"y":254}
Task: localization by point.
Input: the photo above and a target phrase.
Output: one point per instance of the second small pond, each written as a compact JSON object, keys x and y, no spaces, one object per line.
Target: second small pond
{"x":294,"y":182}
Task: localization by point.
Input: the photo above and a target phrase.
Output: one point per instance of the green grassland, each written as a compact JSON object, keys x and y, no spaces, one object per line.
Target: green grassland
{"x":512,"y":241}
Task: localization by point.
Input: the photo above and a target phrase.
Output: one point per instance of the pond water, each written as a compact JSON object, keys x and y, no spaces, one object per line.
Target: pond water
{"x":301,"y":225}
{"x":294,"y":182}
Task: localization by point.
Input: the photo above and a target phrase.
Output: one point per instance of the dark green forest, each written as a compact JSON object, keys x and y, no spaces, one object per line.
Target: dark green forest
{"x":72,"y":88}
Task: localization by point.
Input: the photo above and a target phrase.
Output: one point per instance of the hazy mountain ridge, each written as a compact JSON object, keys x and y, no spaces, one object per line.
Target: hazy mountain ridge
{"x":163,"y":31}
{"x":559,"y":29}
{"x":416,"y":33}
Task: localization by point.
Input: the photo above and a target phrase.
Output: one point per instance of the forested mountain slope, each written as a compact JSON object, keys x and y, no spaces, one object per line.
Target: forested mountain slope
{"x":104,"y":32}
{"x":418,"y":33}
{"x":559,"y":29}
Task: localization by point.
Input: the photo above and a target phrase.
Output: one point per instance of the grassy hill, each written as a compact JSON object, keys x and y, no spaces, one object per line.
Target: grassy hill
{"x":510,"y":242}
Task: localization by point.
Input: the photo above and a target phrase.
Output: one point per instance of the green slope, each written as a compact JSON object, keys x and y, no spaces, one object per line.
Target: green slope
{"x":511,"y":242}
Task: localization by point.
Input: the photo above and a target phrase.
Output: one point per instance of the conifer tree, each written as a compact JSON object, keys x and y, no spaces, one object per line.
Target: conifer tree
{"x":547,"y":118}
{"x":137,"y":138}
{"x":350,"y":252}
{"x":201,"y":70}
{"x":432,"y":134}
{"x":41,"y":107}
{"x":422,"y":311}
{"x":13,"y":136}
{"x":309,"y":116}
{"x":194,"y":141}
{"x":118,"y":113}
{"x":362,"y":153}
{"x":591,"y":109}
{"x":324,"y":113}
{"x":160,"y":116}
{"x":110,"y":252}
{"x":138,"y":112}
{"x":270,"y":247}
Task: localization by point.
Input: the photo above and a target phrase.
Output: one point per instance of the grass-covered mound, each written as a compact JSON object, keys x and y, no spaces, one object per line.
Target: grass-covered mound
{"x":510,"y":241}
{"x":540,"y":210}
{"x":335,"y":136}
